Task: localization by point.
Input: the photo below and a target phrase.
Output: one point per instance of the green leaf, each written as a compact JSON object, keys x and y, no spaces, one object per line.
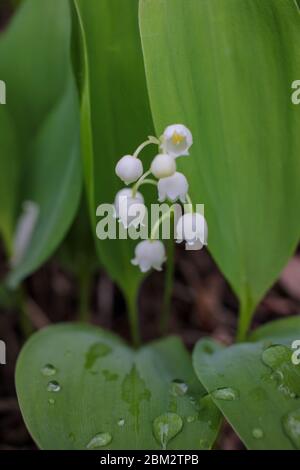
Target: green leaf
{"x":225,"y":70}
{"x":42,"y":148}
{"x":8,"y":178}
{"x":256,"y":385}
{"x":115,"y":114}
{"x":79,"y":386}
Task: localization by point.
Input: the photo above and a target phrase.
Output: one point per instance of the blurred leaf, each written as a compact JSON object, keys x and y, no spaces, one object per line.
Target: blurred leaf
{"x":9,"y":175}
{"x":225,"y":70}
{"x":255,"y":385}
{"x":115,"y":115}
{"x":42,"y":157}
{"x":124,"y":392}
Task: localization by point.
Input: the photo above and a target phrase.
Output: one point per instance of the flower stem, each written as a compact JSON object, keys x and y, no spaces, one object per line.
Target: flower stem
{"x":139,"y":182}
{"x":151,"y":140}
{"x":189,"y":201}
{"x":159,"y":222}
{"x":245,"y":315}
{"x":133,"y":319}
{"x":169,"y":276}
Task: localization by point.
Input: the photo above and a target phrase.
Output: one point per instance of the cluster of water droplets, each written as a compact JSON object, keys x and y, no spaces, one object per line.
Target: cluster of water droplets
{"x":48,"y":370}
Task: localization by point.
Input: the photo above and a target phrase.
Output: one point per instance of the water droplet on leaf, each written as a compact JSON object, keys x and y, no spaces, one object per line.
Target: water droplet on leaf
{"x":291,"y":426}
{"x":109,"y":376}
{"x":96,"y":351}
{"x":286,"y":375}
{"x":257,"y":433}
{"x":48,"y":370}
{"x":133,"y":381}
{"x":100,"y":440}
{"x":204,"y":444}
{"x":166,"y":427}
{"x":191,"y":419}
{"x":53,"y":386}
{"x":226,"y":393}
{"x":178,"y":388}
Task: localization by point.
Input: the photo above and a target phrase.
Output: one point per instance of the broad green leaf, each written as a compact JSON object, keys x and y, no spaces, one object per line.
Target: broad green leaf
{"x":225,"y":69}
{"x":81,"y":387}
{"x":115,"y":114}
{"x":41,"y":155}
{"x":256,"y":385}
{"x":8,"y":178}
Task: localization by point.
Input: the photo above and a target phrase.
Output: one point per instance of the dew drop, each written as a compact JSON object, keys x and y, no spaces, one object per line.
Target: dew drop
{"x":53,"y":386}
{"x":121,"y":422}
{"x":226,"y":393}
{"x":284,"y":373}
{"x":191,"y":419}
{"x":178,"y":388}
{"x":100,"y":440}
{"x":257,"y":433}
{"x":291,"y":426}
{"x":48,"y":370}
{"x":95,"y":352}
{"x":204,"y":444}
{"x":166,"y":427}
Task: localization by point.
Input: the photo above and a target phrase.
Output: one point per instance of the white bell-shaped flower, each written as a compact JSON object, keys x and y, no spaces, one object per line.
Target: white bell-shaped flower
{"x":192,"y":228}
{"x":128,"y":208}
{"x":176,"y":140}
{"x":163,"y":165}
{"x":129,"y":169}
{"x":173,"y":187}
{"x":149,"y":254}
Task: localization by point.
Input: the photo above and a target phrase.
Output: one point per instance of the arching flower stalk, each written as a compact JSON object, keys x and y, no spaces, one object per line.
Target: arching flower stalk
{"x":171,"y":185}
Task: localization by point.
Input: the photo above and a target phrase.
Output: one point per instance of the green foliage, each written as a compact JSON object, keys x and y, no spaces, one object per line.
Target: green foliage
{"x":39,"y":129}
{"x":91,"y":390}
{"x":225,"y":68}
{"x":115,"y":115}
{"x":256,"y":385}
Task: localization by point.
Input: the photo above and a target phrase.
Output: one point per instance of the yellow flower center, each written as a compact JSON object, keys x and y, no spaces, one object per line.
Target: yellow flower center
{"x":177,"y":138}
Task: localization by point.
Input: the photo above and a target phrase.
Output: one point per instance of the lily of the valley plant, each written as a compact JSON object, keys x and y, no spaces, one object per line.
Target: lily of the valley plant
{"x":171,"y":185}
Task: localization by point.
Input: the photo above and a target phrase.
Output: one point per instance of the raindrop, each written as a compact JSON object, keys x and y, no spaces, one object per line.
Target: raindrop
{"x":48,"y":370}
{"x":121,"y":422}
{"x":191,"y":419}
{"x":166,"y":427}
{"x":226,"y":393}
{"x":204,"y":444}
{"x":291,"y":426}
{"x":257,"y":433}
{"x":96,"y":351}
{"x":53,"y":386}
{"x":100,"y":440}
{"x":286,"y":375}
{"x":178,"y":388}
{"x":109,"y":376}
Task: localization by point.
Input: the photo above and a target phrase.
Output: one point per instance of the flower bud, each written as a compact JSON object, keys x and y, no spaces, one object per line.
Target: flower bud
{"x":125,"y":205}
{"x":163,"y":165}
{"x":176,"y":140}
{"x":193,"y":229}
{"x":173,"y":187}
{"x":129,"y":169}
{"x":149,"y":254}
